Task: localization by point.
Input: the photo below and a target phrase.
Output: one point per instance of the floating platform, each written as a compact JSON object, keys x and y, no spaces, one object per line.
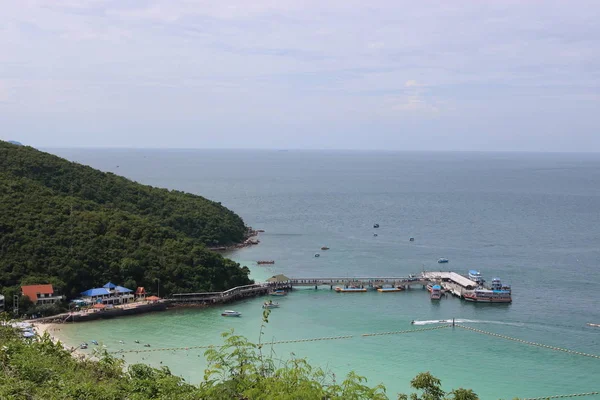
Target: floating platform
{"x":350,"y":290}
{"x":389,"y":290}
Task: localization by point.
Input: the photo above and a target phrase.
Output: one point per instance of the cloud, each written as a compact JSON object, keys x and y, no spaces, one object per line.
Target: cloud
{"x":337,"y":61}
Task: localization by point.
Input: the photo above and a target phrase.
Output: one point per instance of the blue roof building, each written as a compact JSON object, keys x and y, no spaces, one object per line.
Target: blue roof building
{"x":108,"y":294}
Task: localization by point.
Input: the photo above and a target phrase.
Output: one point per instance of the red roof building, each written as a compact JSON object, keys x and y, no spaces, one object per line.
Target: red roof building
{"x":40,"y":294}
{"x":140,"y":292}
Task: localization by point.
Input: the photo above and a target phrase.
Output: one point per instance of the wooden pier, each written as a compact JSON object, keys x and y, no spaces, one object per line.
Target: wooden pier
{"x":236,"y":293}
{"x":363,"y":282}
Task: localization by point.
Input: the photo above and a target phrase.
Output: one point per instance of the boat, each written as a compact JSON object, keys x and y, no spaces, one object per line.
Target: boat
{"x":436,"y":292}
{"x":265,"y":262}
{"x":374,"y":234}
{"x":498,"y":293}
{"x":94,"y":343}
{"x":269,"y":304}
{"x":231,"y":313}
{"x":324,"y":248}
{"x":278,"y":292}
{"x":443,"y":260}
{"x":352,"y":289}
{"x":317,"y":255}
{"x":83,"y":346}
{"x":389,"y":290}
{"x":376,"y":226}
{"x":593,"y":325}
{"x":411,"y":239}
{"x":475,"y":276}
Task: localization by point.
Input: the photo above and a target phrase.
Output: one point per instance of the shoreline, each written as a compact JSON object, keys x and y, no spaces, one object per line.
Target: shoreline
{"x":52,"y":330}
{"x":251,"y":239}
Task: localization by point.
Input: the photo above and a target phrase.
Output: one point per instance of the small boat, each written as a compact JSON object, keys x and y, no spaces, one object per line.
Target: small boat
{"x":147,"y":345}
{"x":265,"y":262}
{"x":374,"y":234}
{"x":83,"y":346}
{"x":436,"y":292}
{"x":279,"y":292}
{"x":389,"y":290}
{"x":376,"y":226}
{"x":350,"y":290}
{"x":593,"y":325}
{"x":231,"y":313}
{"x":317,"y":255}
{"x":443,"y":260}
{"x":411,"y":239}
{"x":270,"y":304}
{"x":94,"y":343}
{"x":324,"y":248}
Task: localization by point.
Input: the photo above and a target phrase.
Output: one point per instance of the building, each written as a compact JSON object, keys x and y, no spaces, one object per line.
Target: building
{"x":140,"y":293}
{"x":108,"y":294}
{"x":41,"y":294}
{"x":1,"y":303}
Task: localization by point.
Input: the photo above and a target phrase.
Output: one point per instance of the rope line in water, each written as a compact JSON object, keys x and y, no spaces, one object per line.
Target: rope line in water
{"x":579,"y":353}
{"x":207,"y":347}
{"x":563,"y":396}
{"x":406,"y":331}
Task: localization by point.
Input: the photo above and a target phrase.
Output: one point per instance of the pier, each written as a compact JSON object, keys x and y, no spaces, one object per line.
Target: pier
{"x":450,"y":281}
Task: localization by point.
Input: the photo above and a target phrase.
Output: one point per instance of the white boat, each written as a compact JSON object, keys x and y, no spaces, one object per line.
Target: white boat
{"x":593,"y":325}
{"x":270,"y":304}
{"x":499,"y":293}
{"x":475,"y":276}
{"x":443,"y":260}
{"x":231,"y":313}
{"x":278,"y":292}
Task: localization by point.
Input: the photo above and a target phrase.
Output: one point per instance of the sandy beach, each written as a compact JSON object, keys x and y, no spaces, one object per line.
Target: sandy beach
{"x":54,"y":330}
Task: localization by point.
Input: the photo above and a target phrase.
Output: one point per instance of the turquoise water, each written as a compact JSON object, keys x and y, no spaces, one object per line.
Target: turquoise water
{"x":529,"y":219}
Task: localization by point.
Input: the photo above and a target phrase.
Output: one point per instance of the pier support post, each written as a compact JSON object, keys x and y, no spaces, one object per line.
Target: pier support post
{"x":330,"y":287}
{"x":315,"y":287}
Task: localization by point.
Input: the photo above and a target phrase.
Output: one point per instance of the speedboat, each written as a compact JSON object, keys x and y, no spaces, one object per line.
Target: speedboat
{"x":376,"y":226}
{"x":411,"y":239}
{"x":94,"y":343}
{"x":593,"y":325}
{"x":83,"y":346}
{"x":270,"y":304}
{"x":324,"y":248}
{"x":231,"y":313}
{"x":317,"y":255}
{"x":443,"y":260}
{"x":278,"y":292}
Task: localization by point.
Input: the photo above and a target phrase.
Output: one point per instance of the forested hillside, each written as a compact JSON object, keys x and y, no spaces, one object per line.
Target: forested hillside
{"x":77,"y":228}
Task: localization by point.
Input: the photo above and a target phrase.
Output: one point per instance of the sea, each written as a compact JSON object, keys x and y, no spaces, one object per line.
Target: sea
{"x":532,"y":220}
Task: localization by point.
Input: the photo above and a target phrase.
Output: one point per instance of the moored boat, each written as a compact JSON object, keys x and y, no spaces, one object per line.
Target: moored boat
{"x":350,"y":290}
{"x":278,"y":292}
{"x":231,"y":313}
{"x":498,"y":293}
{"x":475,"y":276}
{"x":436,"y":292}
{"x":389,"y":290}
{"x":443,"y":260}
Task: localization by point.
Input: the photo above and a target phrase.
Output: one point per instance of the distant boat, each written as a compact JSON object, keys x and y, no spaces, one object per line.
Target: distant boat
{"x":376,"y":226}
{"x":389,"y":290}
{"x":594,"y":325}
{"x":265,"y":262}
{"x":350,"y":290}
{"x":270,"y":304}
{"x":443,"y":260}
{"x":374,"y":234}
{"x":278,"y":293}
{"x":475,"y":276}
{"x":411,"y":239}
{"x":324,"y":248}
{"x":231,"y":313}
{"x":317,"y":255}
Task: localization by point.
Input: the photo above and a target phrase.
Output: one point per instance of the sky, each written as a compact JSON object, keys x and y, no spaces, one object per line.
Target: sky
{"x":487,"y":75}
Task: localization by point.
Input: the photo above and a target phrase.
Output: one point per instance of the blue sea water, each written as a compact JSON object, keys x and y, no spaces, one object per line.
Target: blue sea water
{"x":532,"y":220}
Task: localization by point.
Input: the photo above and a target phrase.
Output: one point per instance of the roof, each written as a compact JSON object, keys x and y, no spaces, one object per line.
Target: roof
{"x":278,"y":278}
{"x":109,"y":285}
{"x":436,"y":287}
{"x":32,"y":291}
{"x":95,"y":292}
{"x":140,"y":290}
{"x":122,"y":289}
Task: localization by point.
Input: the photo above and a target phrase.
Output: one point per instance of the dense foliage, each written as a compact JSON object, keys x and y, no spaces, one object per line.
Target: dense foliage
{"x":78,"y":228}
{"x":238,"y":370}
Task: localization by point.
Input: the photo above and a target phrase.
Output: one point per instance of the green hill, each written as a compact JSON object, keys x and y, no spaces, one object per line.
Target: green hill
{"x":78,"y":228}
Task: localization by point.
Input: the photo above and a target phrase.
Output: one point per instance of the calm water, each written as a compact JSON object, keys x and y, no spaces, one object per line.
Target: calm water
{"x":532,"y":220}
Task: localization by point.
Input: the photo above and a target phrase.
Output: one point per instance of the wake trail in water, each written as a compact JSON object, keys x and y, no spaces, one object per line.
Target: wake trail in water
{"x":465,"y":321}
